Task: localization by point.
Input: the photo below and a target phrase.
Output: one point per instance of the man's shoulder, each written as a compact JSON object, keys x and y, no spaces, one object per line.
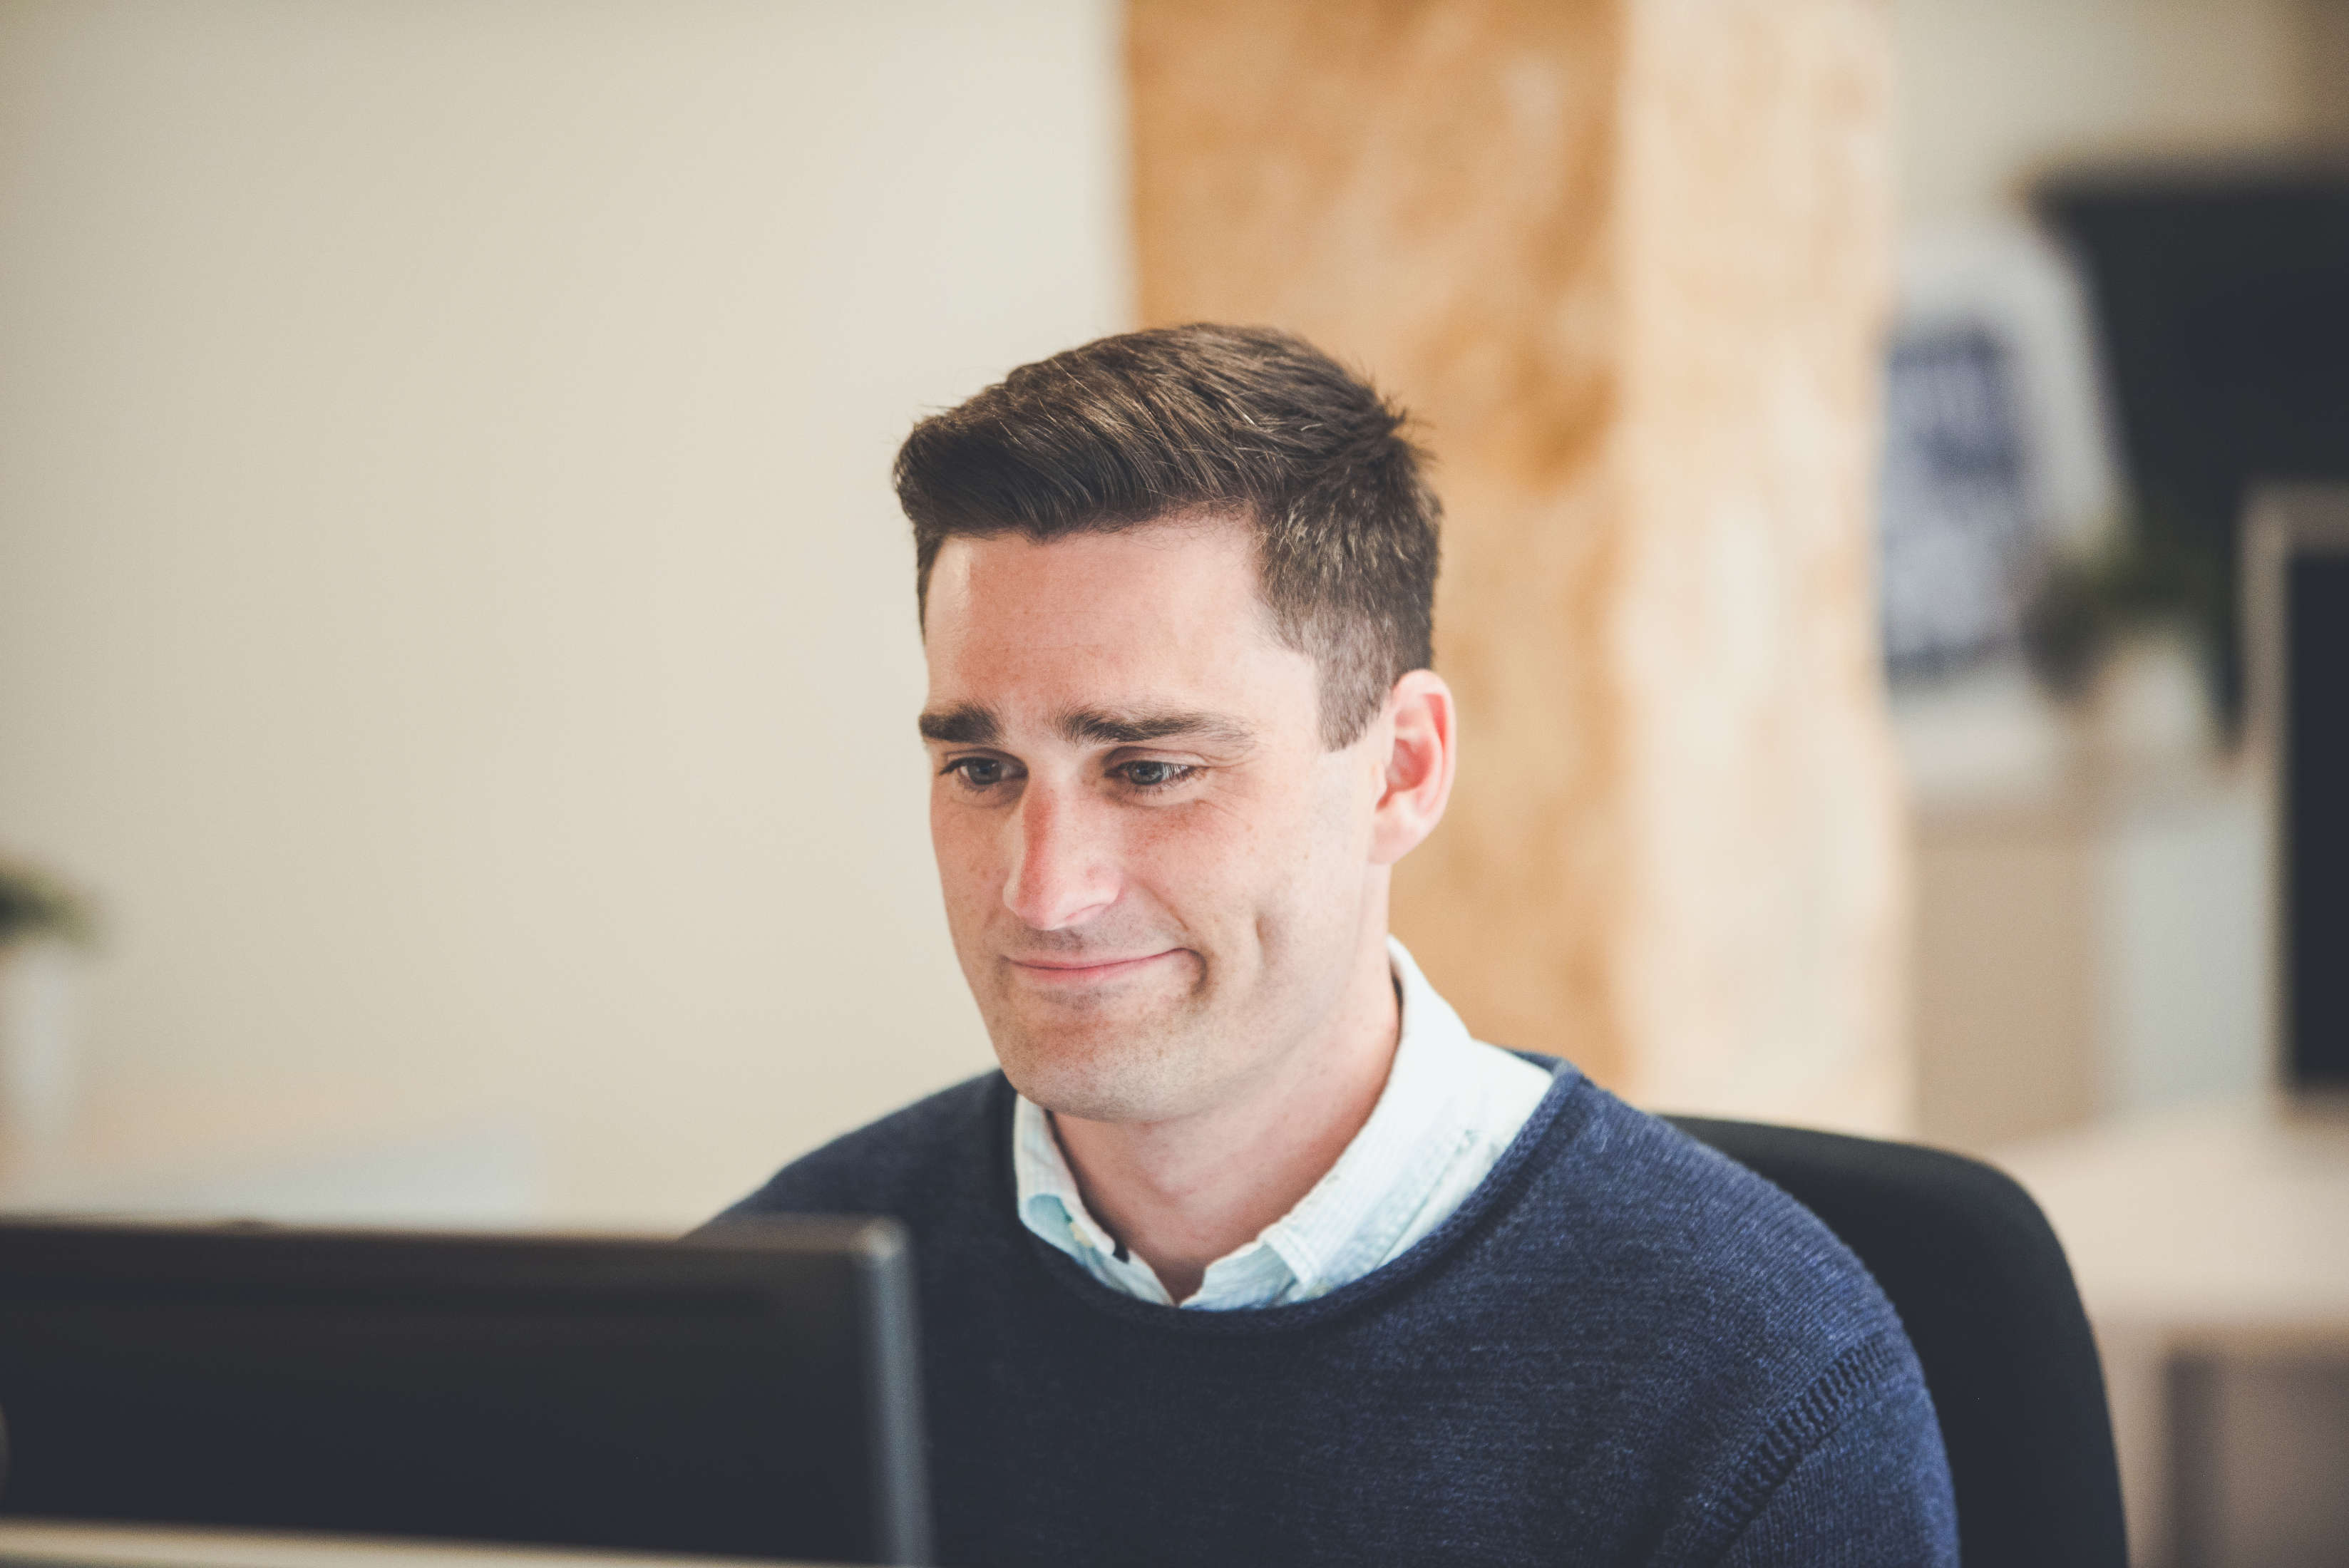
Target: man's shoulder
{"x":905,"y":1163}
{"x":1751,"y":1340}
{"x":1643,"y":1209}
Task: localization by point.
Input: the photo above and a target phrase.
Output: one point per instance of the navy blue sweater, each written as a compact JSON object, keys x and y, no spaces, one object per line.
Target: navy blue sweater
{"x":1622,"y":1349}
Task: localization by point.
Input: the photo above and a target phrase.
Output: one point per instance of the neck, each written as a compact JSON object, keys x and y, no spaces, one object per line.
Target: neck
{"x":1184,"y":1193}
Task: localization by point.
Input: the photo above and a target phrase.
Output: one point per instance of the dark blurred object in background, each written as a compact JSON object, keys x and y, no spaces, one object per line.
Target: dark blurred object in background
{"x":34,"y":904}
{"x":2221,"y":299}
{"x":2081,"y":605}
{"x":2297,"y":568}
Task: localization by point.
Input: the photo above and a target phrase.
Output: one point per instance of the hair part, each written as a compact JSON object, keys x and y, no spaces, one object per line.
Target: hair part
{"x":1244,"y":421}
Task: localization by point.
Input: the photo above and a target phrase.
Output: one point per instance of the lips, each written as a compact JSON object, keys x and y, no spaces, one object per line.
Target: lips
{"x":1060,"y":971}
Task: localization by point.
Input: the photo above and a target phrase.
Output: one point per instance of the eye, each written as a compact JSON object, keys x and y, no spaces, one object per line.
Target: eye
{"x":978,"y":772}
{"x":1148,"y":774}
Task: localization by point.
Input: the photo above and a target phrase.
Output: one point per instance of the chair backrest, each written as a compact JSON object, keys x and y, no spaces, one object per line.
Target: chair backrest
{"x":1980,"y":1285}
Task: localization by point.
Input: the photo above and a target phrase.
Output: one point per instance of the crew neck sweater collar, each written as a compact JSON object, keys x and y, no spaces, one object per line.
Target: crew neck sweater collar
{"x":1548,"y":1137}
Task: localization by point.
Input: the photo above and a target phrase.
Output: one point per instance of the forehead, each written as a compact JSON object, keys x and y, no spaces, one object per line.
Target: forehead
{"x":1165,"y":612}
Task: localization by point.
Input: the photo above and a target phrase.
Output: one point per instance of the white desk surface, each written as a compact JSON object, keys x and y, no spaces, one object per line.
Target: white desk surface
{"x":62,"y":1543}
{"x":2230,"y":1222}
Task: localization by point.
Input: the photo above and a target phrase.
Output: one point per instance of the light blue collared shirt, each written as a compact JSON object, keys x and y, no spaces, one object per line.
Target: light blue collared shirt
{"x":1450,"y":1105}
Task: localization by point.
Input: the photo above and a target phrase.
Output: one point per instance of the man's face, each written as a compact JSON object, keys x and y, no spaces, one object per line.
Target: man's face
{"x":1158,"y":879}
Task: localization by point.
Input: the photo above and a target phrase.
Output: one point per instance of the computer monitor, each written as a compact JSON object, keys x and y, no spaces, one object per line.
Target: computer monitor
{"x":2296,"y":575}
{"x":754,"y":1394}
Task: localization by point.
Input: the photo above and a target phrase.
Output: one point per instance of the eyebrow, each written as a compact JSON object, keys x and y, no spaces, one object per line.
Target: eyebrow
{"x":1091,"y":727}
{"x":964,"y":724}
{"x":970,"y":724}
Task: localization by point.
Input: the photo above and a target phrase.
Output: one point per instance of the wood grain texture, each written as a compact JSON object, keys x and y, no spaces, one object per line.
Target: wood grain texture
{"x":1625,"y":260}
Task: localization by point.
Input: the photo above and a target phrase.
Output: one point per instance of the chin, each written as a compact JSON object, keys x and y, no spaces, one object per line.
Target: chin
{"x":1098,"y":1070}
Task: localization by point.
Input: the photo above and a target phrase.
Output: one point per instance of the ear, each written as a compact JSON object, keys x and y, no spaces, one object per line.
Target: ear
{"x":1421,"y":753}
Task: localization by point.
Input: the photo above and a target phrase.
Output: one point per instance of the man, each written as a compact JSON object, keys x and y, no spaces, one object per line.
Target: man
{"x":1250,"y":1254}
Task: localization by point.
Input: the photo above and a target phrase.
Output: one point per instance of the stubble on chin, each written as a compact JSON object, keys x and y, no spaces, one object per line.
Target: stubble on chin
{"x":1098,"y":1063}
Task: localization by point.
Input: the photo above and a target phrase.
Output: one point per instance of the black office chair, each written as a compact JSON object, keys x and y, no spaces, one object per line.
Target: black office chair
{"x":1980,"y":1283}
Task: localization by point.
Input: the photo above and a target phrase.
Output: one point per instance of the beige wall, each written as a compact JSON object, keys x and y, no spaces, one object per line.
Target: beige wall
{"x":1993,"y":90}
{"x":452,"y":611}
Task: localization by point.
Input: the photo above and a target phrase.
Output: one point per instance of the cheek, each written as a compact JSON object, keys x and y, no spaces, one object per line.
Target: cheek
{"x":1197,"y":862}
{"x":1240,"y":863}
{"x":1324,"y":851}
{"x":965,"y":848}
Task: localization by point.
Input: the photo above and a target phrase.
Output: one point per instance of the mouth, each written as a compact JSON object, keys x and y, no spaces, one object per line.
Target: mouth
{"x":1060,"y":973}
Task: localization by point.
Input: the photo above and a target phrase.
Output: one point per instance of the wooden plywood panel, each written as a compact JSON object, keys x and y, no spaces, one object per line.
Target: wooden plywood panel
{"x":1761,"y":950}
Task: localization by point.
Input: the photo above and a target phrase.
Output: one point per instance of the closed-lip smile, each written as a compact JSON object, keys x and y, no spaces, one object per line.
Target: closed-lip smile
{"x":1060,"y":971}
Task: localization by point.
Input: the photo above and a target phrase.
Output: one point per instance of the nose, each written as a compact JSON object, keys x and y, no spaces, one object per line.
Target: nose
{"x":1062,"y":870}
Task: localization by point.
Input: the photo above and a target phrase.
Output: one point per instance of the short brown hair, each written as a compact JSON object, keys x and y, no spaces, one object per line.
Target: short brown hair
{"x":1243,"y":420}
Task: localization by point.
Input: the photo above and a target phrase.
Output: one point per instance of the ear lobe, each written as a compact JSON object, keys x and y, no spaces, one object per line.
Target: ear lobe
{"x":1422,"y":753}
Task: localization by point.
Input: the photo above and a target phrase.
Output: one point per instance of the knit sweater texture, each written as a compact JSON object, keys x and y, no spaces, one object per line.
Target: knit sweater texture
{"x":1622,"y":1349}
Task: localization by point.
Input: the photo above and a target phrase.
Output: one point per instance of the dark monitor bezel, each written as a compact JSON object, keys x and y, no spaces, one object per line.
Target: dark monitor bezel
{"x":783,"y":1252}
{"x":2284,"y":522}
